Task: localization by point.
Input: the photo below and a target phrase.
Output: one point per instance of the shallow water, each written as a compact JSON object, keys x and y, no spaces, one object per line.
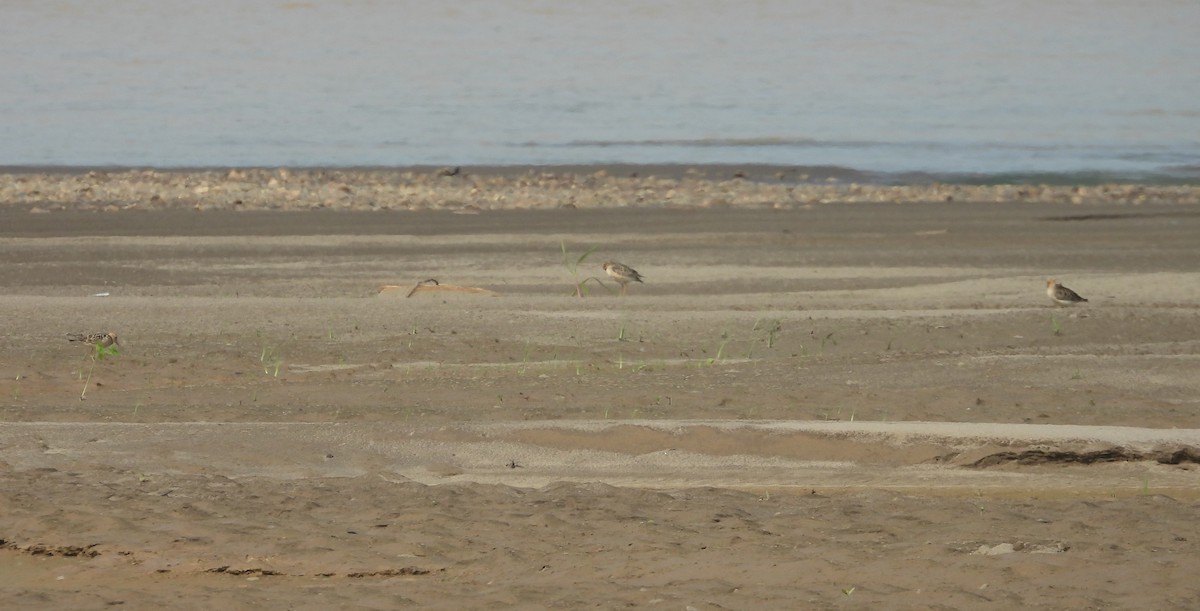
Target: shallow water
{"x":924,"y":85}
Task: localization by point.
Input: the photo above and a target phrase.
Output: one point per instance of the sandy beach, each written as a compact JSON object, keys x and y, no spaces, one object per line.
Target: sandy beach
{"x":825,"y":394}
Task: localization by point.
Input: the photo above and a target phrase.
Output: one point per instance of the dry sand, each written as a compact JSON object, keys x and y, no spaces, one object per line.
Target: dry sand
{"x":824,"y":396}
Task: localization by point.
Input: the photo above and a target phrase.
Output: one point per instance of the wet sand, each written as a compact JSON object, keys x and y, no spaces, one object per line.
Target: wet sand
{"x":847,"y":398}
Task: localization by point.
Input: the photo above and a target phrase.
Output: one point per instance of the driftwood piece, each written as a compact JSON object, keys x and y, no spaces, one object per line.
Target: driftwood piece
{"x":433,"y":286}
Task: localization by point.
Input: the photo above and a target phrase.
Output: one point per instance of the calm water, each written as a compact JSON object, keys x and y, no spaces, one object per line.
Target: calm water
{"x":922,"y":85}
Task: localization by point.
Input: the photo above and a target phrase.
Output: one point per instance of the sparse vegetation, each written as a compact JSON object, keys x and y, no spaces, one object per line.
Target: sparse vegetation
{"x":572,"y":266}
{"x":770,"y":328}
{"x":99,"y":353}
{"x":271,"y":361}
{"x":524,"y":360}
{"x":828,"y":339}
{"x":720,"y":350}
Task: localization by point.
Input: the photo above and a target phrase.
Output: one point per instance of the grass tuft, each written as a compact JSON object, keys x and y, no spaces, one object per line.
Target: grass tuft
{"x":99,"y":353}
{"x":572,"y":265}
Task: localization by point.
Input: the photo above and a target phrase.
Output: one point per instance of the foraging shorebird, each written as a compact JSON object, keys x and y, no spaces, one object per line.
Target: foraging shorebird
{"x":103,"y":340}
{"x":621,"y":273}
{"x":1062,"y":295}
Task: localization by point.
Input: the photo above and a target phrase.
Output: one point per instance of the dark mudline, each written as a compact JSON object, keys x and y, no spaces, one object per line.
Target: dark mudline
{"x":1174,"y":456}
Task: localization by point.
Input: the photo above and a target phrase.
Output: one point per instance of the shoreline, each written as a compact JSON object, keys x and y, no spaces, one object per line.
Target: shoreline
{"x":468,"y":189}
{"x":755,"y":172}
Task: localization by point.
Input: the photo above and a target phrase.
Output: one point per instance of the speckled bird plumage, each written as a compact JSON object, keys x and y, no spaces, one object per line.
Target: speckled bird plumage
{"x":1062,"y":295}
{"x":622,"y":273}
{"x":103,"y":340}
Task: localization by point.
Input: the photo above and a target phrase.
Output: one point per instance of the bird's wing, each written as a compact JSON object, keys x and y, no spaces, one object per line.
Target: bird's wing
{"x":1066,"y":294}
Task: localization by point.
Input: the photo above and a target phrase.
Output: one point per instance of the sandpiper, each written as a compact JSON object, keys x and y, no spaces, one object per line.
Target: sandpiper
{"x":621,"y":273}
{"x":1062,"y":295}
{"x":103,"y":340}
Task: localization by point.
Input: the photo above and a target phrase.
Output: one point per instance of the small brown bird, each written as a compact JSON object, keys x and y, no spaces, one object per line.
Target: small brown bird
{"x":1062,"y":295}
{"x":621,"y":273}
{"x":103,"y":340}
